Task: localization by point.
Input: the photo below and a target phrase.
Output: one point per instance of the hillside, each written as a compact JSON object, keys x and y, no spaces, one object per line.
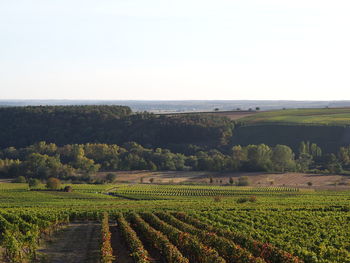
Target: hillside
{"x":325,"y":116}
{"x":329,"y":128}
{"x":22,"y":126}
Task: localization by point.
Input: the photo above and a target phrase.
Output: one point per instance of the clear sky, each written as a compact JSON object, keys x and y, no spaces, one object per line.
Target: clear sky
{"x":183,"y":49}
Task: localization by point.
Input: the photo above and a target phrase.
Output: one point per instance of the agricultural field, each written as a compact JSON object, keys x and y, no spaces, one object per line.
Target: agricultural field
{"x":232,"y":115}
{"x":325,"y":116}
{"x":257,"y":179}
{"x":174,"y":223}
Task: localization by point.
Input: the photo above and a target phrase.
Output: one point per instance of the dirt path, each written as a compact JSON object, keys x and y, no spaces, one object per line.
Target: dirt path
{"x":154,"y":253}
{"x":79,"y":242}
{"x":120,"y":250}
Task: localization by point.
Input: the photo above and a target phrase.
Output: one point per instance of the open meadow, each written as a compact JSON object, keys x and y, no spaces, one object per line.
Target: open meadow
{"x":325,"y":116}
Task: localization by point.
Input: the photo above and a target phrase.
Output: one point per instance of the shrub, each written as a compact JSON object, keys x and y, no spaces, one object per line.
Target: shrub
{"x":53,"y":183}
{"x":242,"y":200}
{"x":251,"y":199}
{"x":32,"y":183}
{"x":68,"y":189}
{"x":20,"y":179}
{"x":231,"y":180}
{"x":217,"y":199}
{"x":243,"y":181}
{"x":111,"y":177}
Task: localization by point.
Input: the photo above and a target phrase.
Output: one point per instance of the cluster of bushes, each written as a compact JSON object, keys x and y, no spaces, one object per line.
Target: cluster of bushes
{"x":251,"y":199}
{"x":51,"y":183}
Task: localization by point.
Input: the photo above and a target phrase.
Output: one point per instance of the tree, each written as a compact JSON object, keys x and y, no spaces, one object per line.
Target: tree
{"x":304,"y":161}
{"x":53,"y":183}
{"x":303,"y":149}
{"x":239,"y":155}
{"x":344,"y":155}
{"x":243,"y":181}
{"x":111,"y":177}
{"x":333,"y":165}
{"x":42,"y":166}
{"x":257,"y":108}
{"x":86,"y":165}
{"x":315,"y":151}
{"x":68,"y":189}
{"x":231,"y":180}
{"x":259,"y":157}
{"x":33,"y":182}
{"x":151,"y":166}
{"x":282,"y":158}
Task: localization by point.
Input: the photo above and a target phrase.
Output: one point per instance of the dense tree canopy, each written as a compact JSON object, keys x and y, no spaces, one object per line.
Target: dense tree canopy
{"x":43,"y":161}
{"x":23,"y":126}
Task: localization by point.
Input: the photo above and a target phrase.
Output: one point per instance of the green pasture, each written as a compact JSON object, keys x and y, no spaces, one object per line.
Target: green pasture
{"x":325,"y":116}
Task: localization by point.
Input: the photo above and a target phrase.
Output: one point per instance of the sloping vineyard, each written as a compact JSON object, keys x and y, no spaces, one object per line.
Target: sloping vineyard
{"x":175,"y":240}
{"x":20,"y":233}
{"x":280,"y":226}
{"x":314,"y":235}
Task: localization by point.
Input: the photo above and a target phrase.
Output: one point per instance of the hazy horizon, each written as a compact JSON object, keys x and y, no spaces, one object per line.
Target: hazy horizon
{"x":183,"y":50}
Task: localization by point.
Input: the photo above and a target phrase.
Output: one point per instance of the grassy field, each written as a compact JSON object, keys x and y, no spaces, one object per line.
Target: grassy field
{"x":325,"y":116}
{"x":219,"y":223}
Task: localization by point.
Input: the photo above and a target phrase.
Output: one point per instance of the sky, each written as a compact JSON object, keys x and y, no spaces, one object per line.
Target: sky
{"x":175,"y":50}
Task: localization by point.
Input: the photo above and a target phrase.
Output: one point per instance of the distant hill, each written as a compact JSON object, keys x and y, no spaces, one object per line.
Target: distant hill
{"x":179,"y":132}
{"x":23,"y":126}
{"x":168,"y":106}
{"x":324,"y":116}
{"x":329,"y":128}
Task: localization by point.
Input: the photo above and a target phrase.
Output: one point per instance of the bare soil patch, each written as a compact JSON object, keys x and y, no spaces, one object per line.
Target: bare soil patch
{"x":78,"y":242}
{"x":154,"y":254}
{"x":319,"y":181}
{"x":120,"y":250}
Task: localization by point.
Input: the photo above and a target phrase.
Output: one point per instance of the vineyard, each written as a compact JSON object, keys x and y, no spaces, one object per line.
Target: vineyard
{"x":175,"y":223}
{"x":157,"y":191}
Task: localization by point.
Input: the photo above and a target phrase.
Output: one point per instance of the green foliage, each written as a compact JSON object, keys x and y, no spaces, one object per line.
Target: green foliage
{"x":79,"y":162}
{"x":231,"y":180}
{"x":112,"y":125}
{"x":251,"y":199}
{"x":68,"y":189}
{"x":243,"y":181}
{"x":106,"y":250}
{"x":53,"y":183}
{"x":329,"y":137}
{"x":283,"y":226}
{"x":339,"y":116}
{"x":111,"y":177}
{"x":282,"y":158}
{"x":33,"y":183}
{"x":20,"y":179}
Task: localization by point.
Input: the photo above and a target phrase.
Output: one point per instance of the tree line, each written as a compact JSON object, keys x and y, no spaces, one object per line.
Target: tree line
{"x":23,"y":126}
{"x":79,"y":161}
